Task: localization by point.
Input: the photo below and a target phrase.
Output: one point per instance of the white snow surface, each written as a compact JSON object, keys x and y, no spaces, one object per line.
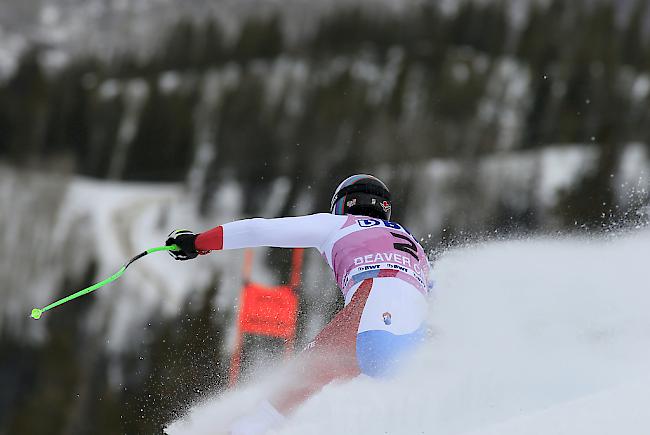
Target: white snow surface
{"x":540,"y":336}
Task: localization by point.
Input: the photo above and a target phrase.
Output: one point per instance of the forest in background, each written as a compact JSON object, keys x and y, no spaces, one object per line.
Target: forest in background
{"x":290,"y":109}
{"x":363,"y":90}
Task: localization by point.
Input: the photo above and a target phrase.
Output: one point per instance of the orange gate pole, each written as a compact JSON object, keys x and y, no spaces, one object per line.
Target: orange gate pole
{"x":270,"y":311}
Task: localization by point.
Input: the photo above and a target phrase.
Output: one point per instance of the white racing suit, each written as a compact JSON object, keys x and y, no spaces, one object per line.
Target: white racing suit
{"x":383,"y":273}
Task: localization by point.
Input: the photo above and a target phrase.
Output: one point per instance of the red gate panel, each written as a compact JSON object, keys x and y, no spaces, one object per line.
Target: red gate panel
{"x":269,"y":311}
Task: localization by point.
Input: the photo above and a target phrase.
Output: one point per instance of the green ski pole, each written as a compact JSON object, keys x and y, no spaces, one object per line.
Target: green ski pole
{"x":38,"y":312}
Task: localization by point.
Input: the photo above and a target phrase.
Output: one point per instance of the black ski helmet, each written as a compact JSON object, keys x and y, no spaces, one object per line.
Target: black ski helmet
{"x":362,"y":195}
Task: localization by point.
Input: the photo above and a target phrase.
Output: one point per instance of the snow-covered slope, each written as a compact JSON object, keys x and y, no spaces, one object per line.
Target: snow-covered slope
{"x":529,"y":336}
{"x":621,"y":410}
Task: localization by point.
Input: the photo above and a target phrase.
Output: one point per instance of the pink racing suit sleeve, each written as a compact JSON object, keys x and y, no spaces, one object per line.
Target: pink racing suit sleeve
{"x":311,"y":231}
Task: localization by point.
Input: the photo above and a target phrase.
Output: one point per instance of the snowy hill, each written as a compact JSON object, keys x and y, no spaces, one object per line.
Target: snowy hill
{"x":529,"y":336}
{"x":622,"y":409}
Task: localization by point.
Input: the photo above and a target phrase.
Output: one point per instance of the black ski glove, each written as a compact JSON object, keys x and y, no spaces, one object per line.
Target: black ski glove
{"x":184,"y":239}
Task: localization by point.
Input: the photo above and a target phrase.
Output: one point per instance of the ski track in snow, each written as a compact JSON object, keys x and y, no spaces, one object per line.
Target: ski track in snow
{"x":529,"y":337}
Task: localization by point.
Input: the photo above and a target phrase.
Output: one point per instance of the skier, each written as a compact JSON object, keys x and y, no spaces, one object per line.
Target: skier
{"x":379,"y":266}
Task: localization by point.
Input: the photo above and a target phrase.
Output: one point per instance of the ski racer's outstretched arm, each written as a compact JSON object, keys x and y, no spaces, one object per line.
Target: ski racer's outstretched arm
{"x":311,"y":231}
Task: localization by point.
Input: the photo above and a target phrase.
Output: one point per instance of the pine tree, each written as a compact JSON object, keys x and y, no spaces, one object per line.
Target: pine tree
{"x":213,"y":49}
{"x":633,"y":43}
{"x":163,"y":146}
{"x":259,"y":38}
{"x":26,"y":99}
